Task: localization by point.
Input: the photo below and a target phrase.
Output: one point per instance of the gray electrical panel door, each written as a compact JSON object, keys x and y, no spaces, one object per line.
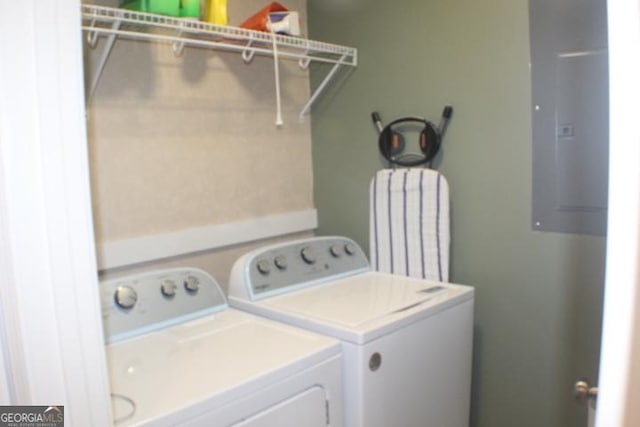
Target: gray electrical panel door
{"x":569,"y":70}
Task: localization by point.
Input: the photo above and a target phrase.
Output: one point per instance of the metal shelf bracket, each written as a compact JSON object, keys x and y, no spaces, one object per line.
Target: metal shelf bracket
{"x":93,"y":41}
{"x":248,"y":53}
{"x":321,"y":87}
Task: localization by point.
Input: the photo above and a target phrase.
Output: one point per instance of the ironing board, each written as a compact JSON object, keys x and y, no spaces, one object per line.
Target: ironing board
{"x":409,"y":232}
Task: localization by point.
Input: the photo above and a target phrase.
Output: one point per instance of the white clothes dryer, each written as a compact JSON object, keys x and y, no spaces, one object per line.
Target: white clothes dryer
{"x":178,"y":355}
{"x":407,"y":343}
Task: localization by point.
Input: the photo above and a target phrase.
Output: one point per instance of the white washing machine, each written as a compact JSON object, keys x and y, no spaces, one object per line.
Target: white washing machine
{"x":407,"y":343}
{"x":178,"y":355}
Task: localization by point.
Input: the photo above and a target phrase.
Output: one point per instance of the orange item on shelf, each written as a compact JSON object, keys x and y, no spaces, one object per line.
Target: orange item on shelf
{"x":259,"y":20}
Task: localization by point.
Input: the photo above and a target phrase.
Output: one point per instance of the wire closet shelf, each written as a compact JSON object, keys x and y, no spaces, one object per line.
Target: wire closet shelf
{"x":115,"y":23}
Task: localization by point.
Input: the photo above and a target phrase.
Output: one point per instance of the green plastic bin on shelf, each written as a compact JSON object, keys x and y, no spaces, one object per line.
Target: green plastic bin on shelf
{"x":190,"y":8}
{"x":185,"y":8}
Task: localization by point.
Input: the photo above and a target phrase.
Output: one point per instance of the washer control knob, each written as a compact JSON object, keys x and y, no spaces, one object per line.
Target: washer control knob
{"x":168,"y":288}
{"x":126,"y":297}
{"x":280,"y":262}
{"x":191,"y":284}
{"x":336,"y":251}
{"x":308,"y":255}
{"x":350,"y":248}
{"x":263,"y":266}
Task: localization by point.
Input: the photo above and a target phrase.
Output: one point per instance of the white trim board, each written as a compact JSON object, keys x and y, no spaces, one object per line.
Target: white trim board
{"x":125,"y":252}
{"x":52,"y":345}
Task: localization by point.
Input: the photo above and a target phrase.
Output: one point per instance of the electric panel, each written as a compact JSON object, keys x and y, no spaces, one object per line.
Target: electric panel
{"x":569,"y":69}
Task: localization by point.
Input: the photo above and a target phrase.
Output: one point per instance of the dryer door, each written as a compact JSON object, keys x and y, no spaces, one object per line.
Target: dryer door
{"x":305,"y":409}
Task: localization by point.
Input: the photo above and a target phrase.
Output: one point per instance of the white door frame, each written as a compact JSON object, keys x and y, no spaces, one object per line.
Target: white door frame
{"x":51,"y":334}
{"x":619,"y":381}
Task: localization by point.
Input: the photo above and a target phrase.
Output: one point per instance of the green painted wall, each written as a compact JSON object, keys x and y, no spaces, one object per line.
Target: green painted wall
{"x":538,"y":295}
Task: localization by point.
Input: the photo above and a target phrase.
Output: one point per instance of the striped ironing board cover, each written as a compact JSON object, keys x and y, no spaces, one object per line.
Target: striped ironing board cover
{"x":409,"y":230}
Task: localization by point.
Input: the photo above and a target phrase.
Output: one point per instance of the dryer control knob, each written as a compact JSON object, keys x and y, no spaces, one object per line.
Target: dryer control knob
{"x":308,"y":254}
{"x":263,"y":266}
{"x":336,"y":251}
{"x":280,"y":262}
{"x":168,"y":288}
{"x":350,"y":248}
{"x":126,"y":297}
{"x":191,"y":284}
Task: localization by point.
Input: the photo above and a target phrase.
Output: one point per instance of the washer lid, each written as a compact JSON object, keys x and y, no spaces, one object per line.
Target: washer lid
{"x":215,"y":360}
{"x":363,"y":307}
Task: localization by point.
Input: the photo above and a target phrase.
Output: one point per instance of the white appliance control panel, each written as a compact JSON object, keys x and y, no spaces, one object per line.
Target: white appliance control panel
{"x":138,"y":304}
{"x":276,"y":269}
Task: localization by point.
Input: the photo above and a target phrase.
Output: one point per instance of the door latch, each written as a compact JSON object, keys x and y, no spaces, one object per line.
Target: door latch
{"x":582,"y":391}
